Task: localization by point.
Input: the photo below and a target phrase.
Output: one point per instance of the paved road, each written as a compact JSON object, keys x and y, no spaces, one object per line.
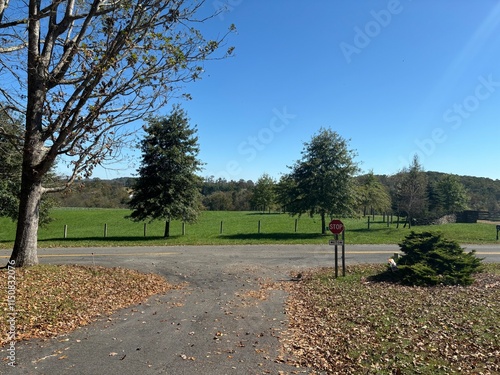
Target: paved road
{"x":295,"y":255}
{"x":213,"y":325}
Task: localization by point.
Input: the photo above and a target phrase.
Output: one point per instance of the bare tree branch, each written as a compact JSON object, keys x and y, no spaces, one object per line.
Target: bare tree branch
{"x":82,"y":71}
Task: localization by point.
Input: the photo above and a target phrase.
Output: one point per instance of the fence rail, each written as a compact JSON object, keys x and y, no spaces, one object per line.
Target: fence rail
{"x":488,"y":215}
{"x":473,"y":216}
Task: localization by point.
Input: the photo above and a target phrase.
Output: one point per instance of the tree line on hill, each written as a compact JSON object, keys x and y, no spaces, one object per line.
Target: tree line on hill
{"x":411,"y":191}
{"x":378,"y":192}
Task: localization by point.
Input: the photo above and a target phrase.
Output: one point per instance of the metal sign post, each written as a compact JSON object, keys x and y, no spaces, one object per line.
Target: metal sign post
{"x":336,"y":256}
{"x":343,"y":253}
{"x":337,"y":227}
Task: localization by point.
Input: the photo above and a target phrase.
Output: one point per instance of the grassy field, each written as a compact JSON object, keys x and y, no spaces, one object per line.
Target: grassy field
{"x":85,"y":227}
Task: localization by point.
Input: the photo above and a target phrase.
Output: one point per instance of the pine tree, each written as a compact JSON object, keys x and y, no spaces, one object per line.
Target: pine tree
{"x":168,"y":187}
{"x":430,"y":259}
{"x":411,"y":191}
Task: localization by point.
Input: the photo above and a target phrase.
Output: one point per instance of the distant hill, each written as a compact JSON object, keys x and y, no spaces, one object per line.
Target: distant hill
{"x":96,"y":193}
{"x":484,"y":192}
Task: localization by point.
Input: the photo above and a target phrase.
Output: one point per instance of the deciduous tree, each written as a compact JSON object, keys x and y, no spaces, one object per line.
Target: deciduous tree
{"x":264,"y":192}
{"x":79,"y":72}
{"x":373,"y":195}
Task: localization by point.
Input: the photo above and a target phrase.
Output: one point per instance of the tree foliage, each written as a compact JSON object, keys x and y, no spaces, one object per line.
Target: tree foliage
{"x":79,"y":71}
{"x":10,"y":165}
{"x":410,"y":193}
{"x":286,"y":190}
{"x":322,"y":181}
{"x":168,"y":186}
{"x":223,"y":195}
{"x":373,"y":195}
{"x":264,"y":194}
{"x":452,"y":194}
{"x":96,"y":193}
{"x":10,"y":170}
{"x":430,"y":259}
{"x":484,"y":192}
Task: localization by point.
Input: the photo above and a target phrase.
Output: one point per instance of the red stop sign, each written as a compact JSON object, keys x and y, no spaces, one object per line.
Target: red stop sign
{"x":336,"y":226}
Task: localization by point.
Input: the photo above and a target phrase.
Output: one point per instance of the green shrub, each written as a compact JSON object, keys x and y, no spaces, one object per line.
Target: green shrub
{"x":429,"y":259}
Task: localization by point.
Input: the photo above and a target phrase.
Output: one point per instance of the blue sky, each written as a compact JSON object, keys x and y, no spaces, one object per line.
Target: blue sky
{"x":395,"y":77}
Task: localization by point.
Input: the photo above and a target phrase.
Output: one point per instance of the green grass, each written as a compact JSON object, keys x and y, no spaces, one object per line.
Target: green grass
{"x":85,"y":227}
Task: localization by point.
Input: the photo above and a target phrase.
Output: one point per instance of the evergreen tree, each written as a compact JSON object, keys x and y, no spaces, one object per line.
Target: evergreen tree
{"x":11,"y":145}
{"x":411,"y":191}
{"x":452,"y":194}
{"x":168,"y":187}
{"x":430,"y":259}
{"x":10,"y":164}
{"x":322,"y":182}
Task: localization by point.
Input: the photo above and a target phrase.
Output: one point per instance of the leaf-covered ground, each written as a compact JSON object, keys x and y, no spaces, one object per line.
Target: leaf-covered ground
{"x":50,"y":300}
{"x":352,"y":326}
{"x":337,"y":326}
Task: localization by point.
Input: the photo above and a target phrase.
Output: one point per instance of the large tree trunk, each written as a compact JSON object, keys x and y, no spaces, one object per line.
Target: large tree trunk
{"x":323,"y":223}
{"x":25,"y":246}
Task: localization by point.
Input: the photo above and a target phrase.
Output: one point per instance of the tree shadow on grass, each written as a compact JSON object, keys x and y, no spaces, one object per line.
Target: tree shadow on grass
{"x":114,"y":239}
{"x":264,"y":213}
{"x":272,"y":236}
{"x":371,"y":230}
